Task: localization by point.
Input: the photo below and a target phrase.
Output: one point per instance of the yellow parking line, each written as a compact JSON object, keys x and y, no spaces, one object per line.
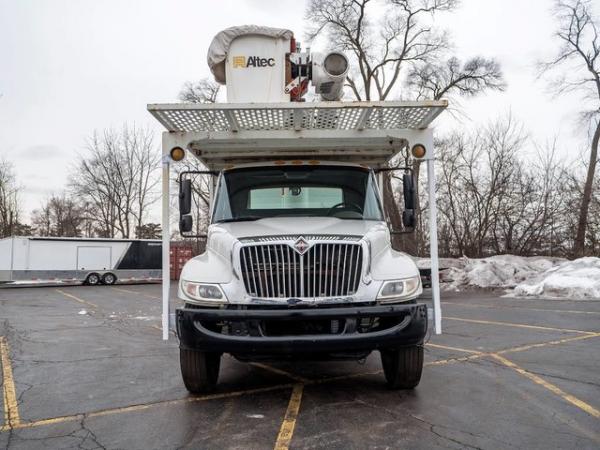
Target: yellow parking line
{"x":77,"y":299}
{"x":136,"y":292}
{"x":445,"y":347}
{"x":145,"y":406}
{"x":475,"y":305}
{"x":286,"y":432}
{"x":477,"y":354}
{"x":518,"y":325}
{"x":545,"y":344}
{"x":551,"y":387}
{"x":296,"y":397}
{"x":344,"y":377}
{"x":280,"y":372}
{"x":11,"y":407}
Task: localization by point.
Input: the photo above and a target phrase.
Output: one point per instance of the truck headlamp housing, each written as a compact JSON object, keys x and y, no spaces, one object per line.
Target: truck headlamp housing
{"x":399,"y":290}
{"x":202,"y":292}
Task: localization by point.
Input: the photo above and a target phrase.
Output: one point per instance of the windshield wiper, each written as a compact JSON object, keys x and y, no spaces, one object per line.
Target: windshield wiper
{"x":239,"y":219}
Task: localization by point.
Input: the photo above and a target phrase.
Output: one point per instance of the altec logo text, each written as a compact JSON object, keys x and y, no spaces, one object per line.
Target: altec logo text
{"x":252,"y":61}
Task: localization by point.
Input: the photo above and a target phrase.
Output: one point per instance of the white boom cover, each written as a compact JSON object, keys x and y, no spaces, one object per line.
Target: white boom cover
{"x":219,"y":47}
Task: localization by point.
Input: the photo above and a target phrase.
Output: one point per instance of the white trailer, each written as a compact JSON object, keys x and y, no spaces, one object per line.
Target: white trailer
{"x":26,"y":260}
{"x":298,"y":261}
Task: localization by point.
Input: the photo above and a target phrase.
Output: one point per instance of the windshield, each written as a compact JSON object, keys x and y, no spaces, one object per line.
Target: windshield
{"x":304,"y":191}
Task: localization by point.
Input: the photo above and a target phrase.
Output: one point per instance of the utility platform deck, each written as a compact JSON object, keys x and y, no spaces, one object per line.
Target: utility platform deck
{"x":220,"y":134}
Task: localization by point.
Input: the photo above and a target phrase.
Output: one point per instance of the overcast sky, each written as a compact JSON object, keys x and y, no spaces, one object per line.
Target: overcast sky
{"x":70,"y":67}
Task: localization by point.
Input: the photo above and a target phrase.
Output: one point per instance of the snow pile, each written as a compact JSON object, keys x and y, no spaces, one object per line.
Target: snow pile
{"x":502,"y":271}
{"x":522,"y":276}
{"x":573,"y":279}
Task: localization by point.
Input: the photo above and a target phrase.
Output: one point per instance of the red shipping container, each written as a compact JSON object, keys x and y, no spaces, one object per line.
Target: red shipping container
{"x":180,"y":254}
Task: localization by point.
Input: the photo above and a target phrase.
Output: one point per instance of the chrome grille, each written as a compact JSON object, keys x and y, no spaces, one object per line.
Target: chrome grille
{"x":278,"y":271}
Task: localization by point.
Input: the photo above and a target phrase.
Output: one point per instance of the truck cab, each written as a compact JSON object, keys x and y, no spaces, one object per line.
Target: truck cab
{"x":298,"y":265}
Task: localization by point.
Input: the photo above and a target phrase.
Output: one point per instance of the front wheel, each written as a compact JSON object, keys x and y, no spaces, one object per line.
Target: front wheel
{"x":403,"y":367}
{"x":199,"y":370}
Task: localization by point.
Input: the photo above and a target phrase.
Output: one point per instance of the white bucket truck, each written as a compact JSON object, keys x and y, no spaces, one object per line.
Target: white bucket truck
{"x":298,"y":261}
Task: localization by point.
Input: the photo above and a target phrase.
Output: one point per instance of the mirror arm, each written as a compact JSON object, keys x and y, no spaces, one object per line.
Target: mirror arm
{"x":392,"y":169}
{"x":196,"y":172}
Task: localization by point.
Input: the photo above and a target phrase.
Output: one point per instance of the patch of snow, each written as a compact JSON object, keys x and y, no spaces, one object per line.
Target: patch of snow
{"x":536,"y":276}
{"x":502,"y":271}
{"x":83,"y":312}
{"x":146,"y":317}
{"x":578,"y":279}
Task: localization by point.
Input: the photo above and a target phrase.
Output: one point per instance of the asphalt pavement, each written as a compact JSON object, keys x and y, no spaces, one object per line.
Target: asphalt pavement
{"x":85,"y":367}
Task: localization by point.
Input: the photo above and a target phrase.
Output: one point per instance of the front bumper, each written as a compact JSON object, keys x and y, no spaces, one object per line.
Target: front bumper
{"x":202,"y":329}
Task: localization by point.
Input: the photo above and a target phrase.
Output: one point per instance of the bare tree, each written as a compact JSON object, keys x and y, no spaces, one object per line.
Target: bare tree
{"x":117,"y":179}
{"x":9,"y":199}
{"x":148,"y":231}
{"x":403,"y":42}
{"x":379,"y":50}
{"x":203,"y":91}
{"x":59,"y":216}
{"x":475,"y":181}
{"x":494,"y":197}
{"x":433,"y":80}
{"x":579,"y":56}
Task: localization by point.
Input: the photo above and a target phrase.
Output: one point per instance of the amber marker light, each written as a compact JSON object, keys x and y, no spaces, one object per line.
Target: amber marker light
{"x":418,"y":151}
{"x":177,"y":153}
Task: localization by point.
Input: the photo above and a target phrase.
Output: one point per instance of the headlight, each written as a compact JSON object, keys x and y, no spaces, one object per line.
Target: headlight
{"x":203,"y":292}
{"x":399,"y":290}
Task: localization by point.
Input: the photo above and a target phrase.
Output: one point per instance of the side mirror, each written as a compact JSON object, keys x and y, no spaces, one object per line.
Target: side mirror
{"x":185,"y":197}
{"x":186,"y":223}
{"x":410,"y":195}
{"x":409,"y":219}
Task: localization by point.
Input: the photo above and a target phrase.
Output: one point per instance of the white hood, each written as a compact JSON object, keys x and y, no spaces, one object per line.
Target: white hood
{"x":276,"y":226}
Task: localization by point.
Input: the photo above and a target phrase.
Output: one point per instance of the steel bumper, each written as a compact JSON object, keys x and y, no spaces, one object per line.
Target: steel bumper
{"x":194,"y":333}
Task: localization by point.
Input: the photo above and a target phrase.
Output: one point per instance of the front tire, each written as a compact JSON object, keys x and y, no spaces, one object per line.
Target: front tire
{"x":403,"y":367}
{"x":199,"y":370}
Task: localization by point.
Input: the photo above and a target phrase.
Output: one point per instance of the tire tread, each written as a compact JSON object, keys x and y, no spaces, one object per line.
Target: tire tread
{"x":199,"y":370}
{"x":403,"y":367}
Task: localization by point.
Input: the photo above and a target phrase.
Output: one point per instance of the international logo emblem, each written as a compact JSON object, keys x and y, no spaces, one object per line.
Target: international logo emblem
{"x":301,"y":246}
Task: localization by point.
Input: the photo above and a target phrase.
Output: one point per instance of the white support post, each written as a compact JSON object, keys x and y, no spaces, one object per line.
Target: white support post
{"x":166,"y":250}
{"x":433,"y":243}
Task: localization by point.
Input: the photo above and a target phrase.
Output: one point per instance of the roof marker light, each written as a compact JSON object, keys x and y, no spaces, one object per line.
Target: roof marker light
{"x":177,"y":153}
{"x":418,"y":151}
